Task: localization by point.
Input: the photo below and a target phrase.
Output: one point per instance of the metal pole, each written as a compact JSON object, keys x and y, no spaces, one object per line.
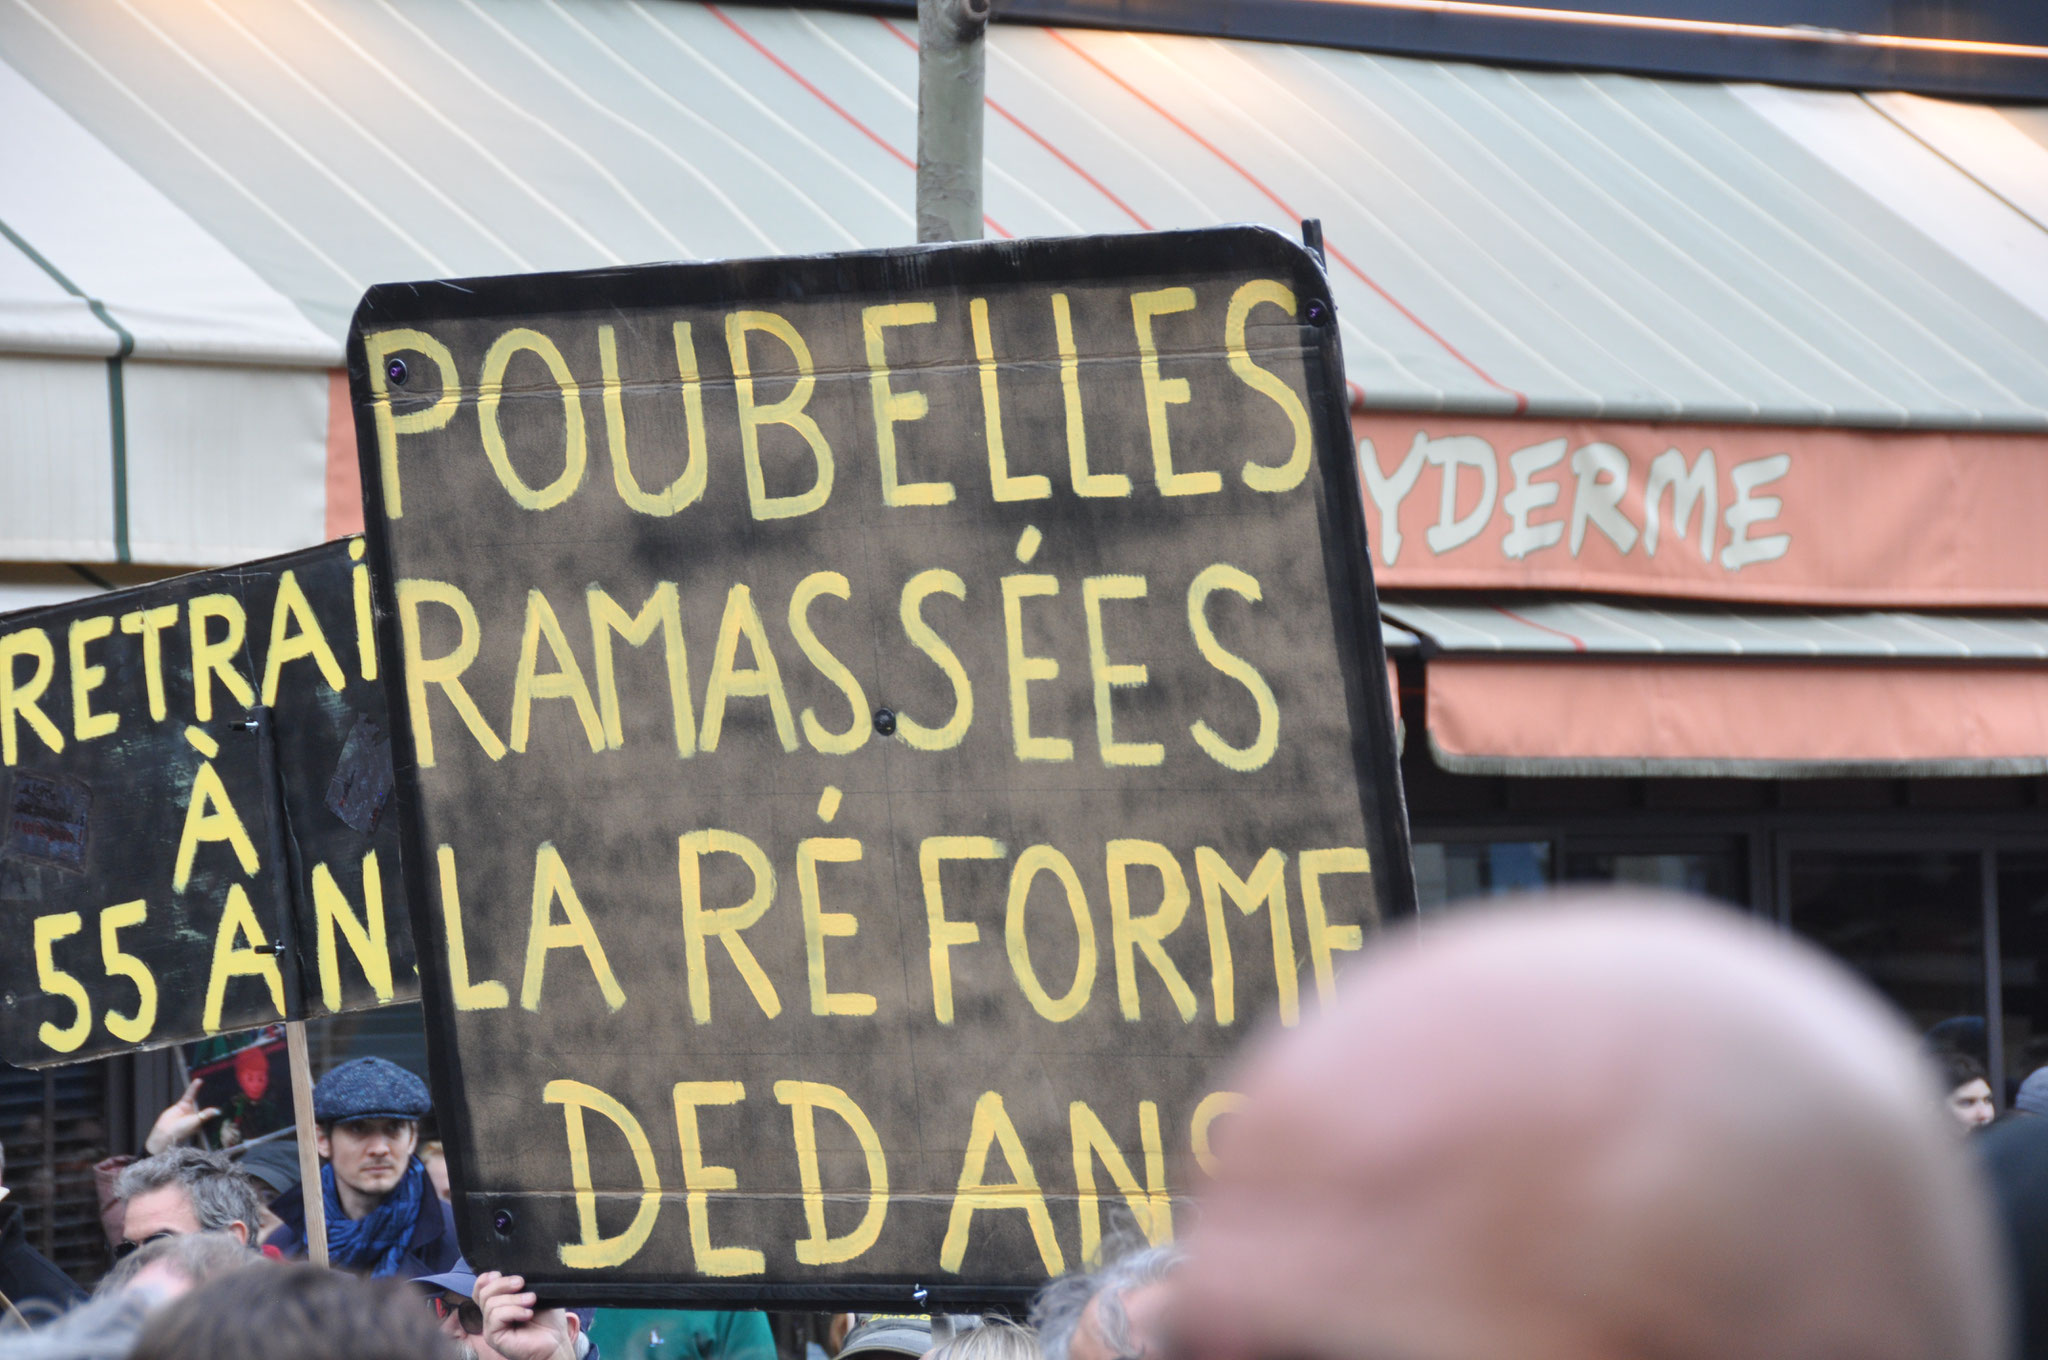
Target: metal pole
{"x":283,"y":878}
{"x":951,"y":62}
{"x":1994,"y":978}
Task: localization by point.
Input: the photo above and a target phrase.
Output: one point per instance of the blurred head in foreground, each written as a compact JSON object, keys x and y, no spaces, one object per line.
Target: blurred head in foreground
{"x":1592,"y":1127}
{"x":266,"y":1311}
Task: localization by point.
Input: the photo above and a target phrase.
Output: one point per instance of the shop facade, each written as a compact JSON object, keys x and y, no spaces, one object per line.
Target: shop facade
{"x":1805,"y":323}
{"x":1817,"y":696}
{"x":1935,"y":890}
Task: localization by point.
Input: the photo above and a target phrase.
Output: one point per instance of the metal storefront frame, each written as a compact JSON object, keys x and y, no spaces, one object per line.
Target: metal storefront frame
{"x":1767,"y":843}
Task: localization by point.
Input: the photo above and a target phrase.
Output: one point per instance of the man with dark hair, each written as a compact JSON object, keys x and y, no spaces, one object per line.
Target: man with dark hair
{"x":383,"y":1217}
{"x":269,"y":1311}
{"x":183,"y":1191}
{"x":1967,"y":1088}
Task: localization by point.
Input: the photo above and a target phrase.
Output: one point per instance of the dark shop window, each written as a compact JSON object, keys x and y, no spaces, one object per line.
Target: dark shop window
{"x":1448,"y":871}
{"x":2023,"y":956}
{"x":1912,"y":923}
{"x":1718,"y":872}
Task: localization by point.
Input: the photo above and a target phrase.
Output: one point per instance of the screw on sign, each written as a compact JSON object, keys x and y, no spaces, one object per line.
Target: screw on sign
{"x":877,"y":732}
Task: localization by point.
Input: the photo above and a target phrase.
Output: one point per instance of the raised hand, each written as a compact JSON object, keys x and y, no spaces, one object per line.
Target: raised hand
{"x":514,"y":1329}
{"x":179,"y":1122}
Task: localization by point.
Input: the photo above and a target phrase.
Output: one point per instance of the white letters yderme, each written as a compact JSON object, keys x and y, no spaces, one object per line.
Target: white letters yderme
{"x":1626,"y":497}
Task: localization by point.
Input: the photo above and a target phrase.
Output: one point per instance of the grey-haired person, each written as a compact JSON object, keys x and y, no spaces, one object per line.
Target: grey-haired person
{"x":1109,"y":1312}
{"x":185,"y":1191}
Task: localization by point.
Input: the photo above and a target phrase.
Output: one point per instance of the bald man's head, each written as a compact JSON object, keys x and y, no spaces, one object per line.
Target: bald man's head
{"x":1592,"y":1128}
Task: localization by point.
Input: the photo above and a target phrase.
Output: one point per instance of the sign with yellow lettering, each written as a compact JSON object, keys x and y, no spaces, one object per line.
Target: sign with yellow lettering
{"x":138,"y":879}
{"x":880,"y":730}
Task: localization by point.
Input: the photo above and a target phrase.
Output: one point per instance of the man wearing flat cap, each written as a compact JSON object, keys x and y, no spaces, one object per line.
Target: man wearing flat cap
{"x":383,"y":1217}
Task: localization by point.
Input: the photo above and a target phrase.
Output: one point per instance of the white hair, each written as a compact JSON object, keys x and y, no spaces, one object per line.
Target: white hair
{"x":1123,"y":1265}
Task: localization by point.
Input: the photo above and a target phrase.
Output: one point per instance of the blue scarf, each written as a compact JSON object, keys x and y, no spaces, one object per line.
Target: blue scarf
{"x":377,"y":1242}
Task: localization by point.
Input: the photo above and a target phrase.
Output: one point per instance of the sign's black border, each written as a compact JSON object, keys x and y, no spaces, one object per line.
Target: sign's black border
{"x":1347,"y":567}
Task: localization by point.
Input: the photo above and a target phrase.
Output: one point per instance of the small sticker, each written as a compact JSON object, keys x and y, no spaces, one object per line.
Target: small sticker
{"x":362,"y":777}
{"x":47,"y":821}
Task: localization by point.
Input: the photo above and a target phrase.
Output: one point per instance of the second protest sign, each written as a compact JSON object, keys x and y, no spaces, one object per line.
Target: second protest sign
{"x":877,"y":732}
{"x":155,"y":884}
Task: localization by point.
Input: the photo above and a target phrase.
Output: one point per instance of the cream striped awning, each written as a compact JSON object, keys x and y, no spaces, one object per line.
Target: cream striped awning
{"x":195,"y":194}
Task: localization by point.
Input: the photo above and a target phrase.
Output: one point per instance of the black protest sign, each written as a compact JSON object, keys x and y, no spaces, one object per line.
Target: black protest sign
{"x":137,"y":876}
{"x":880,"y":730}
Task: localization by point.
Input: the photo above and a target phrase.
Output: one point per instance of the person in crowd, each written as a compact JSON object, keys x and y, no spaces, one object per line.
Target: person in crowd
{"x":102,"y":1329}
{"x":2032,"y":1097}
{"x":274,"y":1167}
{"x":1969,"y":1090}
{"x":170,"y":1267}
{"x":493,"y":1317}
{"x":31,"y":1286}
{"x":383,"y":1217}
{"x":1591,"y":1128}
{"x":1960,"y":1034}
{"x":880,"y":1336}
{"x":682,"y":1334}
{"x":182,"y":1191}
{"x":106,"y":1327}
{"x":269,"y":1311}
{"x":993,"y":1338}
{"x":1111,"y":1312}
{"x":435,"y":1158}
{"x":2015,"y":1157}
{"x":177,"y":1125}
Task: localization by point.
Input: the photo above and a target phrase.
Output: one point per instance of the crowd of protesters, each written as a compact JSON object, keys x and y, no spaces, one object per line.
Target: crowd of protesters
{"x":1587,"y":1129}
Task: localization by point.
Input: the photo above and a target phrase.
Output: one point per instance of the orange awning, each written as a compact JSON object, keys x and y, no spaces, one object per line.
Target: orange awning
{"x":1514,"y":687}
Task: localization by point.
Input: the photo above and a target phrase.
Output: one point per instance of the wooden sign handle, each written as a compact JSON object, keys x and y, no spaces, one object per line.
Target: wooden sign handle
{"x":309,"y":1151}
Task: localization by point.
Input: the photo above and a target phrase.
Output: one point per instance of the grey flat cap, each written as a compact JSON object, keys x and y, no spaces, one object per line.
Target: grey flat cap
{"x":370,"y":1088}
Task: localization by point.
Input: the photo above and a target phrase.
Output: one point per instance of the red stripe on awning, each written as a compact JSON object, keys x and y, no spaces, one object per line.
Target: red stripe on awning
{"x":1583,"y":715}
{"x":1578,"y":643}
{"x":1521,"y":400}
{"x":830,"y":103}
{"x":1034,"y":135}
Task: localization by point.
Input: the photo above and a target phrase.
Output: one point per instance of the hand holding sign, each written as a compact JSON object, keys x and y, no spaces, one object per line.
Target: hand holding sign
{"x":516,"y":1327}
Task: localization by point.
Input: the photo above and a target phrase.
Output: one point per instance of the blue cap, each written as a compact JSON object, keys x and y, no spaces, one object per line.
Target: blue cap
{"x":457,"y":1279}
{"x":370,"y":1088}
{"x":2033,"y":1096}
{"x":460,"y":1278}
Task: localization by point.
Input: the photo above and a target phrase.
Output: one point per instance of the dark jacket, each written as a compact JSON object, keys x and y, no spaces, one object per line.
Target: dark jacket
{"x":431,"y":1249}
{"x":28,"y":1279}
{"x":2015,"y":1154}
